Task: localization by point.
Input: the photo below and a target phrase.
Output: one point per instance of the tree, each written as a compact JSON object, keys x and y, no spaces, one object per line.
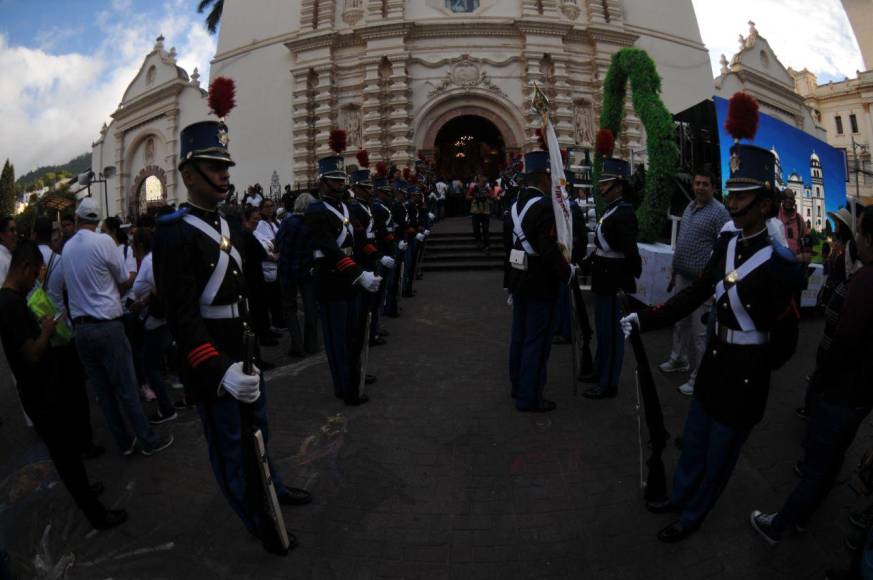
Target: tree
{"x":7,"y":189}
{"x":214,"y":17}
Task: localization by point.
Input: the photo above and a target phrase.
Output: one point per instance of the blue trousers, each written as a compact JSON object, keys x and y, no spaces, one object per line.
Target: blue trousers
{"x":340,"y":320}
{"x":610,"y":340}
{"x":529,"y":348}
{"x":709,"y":454}
{"x":222,"y":424}
{"x":410,"y":257}
{"x":832,"y":429}
{"x":562,"y":313}
{"x":155,"y":344}
{"x":392,"y":285}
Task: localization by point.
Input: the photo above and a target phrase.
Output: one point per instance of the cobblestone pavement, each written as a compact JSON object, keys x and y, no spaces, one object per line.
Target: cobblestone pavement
{"x":437,"y":477}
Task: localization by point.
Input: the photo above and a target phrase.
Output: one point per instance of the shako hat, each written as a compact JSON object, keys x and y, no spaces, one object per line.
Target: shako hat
{"x":751,"y":167}
{"x":209,"y":139}
{"x":537,"y":162}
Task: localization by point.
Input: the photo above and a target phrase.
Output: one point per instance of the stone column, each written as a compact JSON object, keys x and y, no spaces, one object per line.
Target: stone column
{"x":325,"y":108}
{"x":302,"y":126}
{"x":562,"y":103}
{"x":395,"y":9}
{"x":116,"y":199}
{"x":532,"y":74}
{"x":371,"y":111}
{"x":171,"y":127}
{"x":400,"y":116}
{"x":326,"y":14}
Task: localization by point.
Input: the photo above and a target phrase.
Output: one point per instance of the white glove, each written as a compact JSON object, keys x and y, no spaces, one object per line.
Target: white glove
{"x":573,"y":269}
{"x":431,"y":216}
{"x":426,"y":233}
{"x":368,"y":281}
{"x":628,"y":322}
{"x":241,"y":386}
{"x":401,"y":245}
{"x":508,"y":296}
{"x":419,"y":237}
{"x":387,"y":262}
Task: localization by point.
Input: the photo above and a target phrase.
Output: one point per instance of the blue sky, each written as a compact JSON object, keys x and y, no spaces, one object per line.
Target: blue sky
{"x":63,"y":60}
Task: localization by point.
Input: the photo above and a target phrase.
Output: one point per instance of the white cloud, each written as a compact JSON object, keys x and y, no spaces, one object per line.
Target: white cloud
{"x":54,"y":104}
{"x":814,"y":34}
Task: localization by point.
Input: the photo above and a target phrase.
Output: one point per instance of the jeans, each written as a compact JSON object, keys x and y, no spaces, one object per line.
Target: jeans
{"x":308,"y":340}
{"x":710,"y":451}
{"x":155,"y":344}
{"x":108,"y":362}
{"x":832,"y":429}
{"x":610,"y":340}
{"x":689,"y":334}
{"x":529,"y":348}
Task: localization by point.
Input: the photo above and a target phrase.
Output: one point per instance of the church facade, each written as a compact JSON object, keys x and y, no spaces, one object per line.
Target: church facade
{"x":448,"y":79}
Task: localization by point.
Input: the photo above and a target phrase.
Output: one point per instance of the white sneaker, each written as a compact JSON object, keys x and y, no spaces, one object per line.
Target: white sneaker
{"x":687,"y":389}
{"x":674,"y":366}
{"x":132,"y":449}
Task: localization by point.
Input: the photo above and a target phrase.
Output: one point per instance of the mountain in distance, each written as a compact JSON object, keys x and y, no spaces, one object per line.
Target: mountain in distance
{"x":75,"y":166}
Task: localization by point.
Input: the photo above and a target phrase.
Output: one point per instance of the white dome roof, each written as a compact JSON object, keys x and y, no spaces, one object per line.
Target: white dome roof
{"x":814,"y":157}
{"x":794,"y":177}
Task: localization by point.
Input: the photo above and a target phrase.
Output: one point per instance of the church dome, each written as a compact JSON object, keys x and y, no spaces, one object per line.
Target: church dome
{"x":814,"y":158}
{"x":794,"y":178}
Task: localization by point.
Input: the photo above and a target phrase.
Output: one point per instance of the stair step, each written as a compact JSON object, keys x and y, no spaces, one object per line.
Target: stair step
{"x":457,"y":266}
{"x":473,"y":257}
{"x":461,"y":249}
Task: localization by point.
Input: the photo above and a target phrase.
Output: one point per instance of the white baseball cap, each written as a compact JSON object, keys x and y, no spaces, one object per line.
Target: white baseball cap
{"x":88,"y":210}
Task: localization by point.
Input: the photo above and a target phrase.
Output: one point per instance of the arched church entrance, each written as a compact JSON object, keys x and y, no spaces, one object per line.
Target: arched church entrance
{"x":150,"y":191}
{"x":467,"y":146}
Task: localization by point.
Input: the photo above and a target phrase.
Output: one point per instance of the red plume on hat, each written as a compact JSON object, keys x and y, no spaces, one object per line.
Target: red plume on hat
{"x":604,"y":143}
{"x":541,"y":137}
{"x":337,"y":140}
{"x":406,"y":173}
{"x":222,"y":96}
{"x":742,"y":121}
{"x":381,"y":169}
{"x":363,"y":159}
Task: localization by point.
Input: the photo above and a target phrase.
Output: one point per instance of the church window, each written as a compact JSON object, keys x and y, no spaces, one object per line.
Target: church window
{"x":150,"y":75}
{"x":462,"y":6}
{"x":839,"y":121}
{"x":853,"y":122}
{"x":808,"y":213}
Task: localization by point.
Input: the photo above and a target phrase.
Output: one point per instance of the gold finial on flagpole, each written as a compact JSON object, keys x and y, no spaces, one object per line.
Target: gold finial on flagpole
{"x":540,"y":103}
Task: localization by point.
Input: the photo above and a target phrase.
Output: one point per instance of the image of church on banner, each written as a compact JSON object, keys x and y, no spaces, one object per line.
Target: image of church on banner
{"x":814,"y":170}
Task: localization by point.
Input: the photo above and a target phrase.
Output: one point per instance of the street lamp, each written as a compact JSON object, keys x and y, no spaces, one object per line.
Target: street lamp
{"x":87,"y":179}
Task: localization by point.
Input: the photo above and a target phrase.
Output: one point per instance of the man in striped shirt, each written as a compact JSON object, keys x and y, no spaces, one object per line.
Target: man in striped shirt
{"x":701,"y":223}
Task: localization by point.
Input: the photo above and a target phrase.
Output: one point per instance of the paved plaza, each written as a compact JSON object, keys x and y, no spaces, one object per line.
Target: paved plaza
{"x":437,"y":477}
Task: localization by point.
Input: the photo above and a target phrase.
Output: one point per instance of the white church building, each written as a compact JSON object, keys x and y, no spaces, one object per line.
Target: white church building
{"x":450,"y":79}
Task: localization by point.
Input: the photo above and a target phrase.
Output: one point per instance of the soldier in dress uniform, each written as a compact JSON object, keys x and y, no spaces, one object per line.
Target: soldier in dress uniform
{"x":199,"y":271}
{"x":414,"y":237}
{"x":396,"y":229}
{"x":339,"y":279}
{"x":615,"y":264}
{"x":383,"y":234}
{"x":755,"y":331}
{"x":534,"y":272}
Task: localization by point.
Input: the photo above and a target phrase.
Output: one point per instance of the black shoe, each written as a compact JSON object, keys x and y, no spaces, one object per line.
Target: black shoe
{"x":296,"y":353}
{"x":267,"y":340}
{"x":558,"y":339}
{"x":592,"y":377}
{"x":676,"y":532}
{"x":378,"y":341}
{"x":384,"y":332}
{"x":182,"y":405}
{"x":598,"y":393}
{"x":158,"y":418}
{"x":544,"y":407}
{"x":97,"y":488}
{"x":295,"y":496}
{"x":93,"y":451}
{"x":357,"y":401}
{"x":369,"y":379}
{"x":108,"y":519}
{"x":802,"y":413}
{"x":276,"y":549}
{"x":763,"y":524}
{"x":664,"y":506}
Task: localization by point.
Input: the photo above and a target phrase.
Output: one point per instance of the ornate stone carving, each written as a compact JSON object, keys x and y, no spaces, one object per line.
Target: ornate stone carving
{"x":350,"y":120}
{"x":353,"y":11}
{"x":465,"y":73}
{"x":583,"y":123}
{"x":570,"y":9}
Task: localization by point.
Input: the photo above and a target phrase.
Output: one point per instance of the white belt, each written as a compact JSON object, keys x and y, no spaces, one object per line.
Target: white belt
{"x":608,"y":254}
{"x":742,"y":337}
{"x":219,"y":312}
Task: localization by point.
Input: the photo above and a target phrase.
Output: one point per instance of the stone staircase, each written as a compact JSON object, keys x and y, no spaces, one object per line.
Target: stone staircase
{"x":451,"y":247}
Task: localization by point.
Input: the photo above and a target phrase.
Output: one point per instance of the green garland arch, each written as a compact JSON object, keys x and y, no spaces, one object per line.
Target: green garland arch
{"x":635,"y":65}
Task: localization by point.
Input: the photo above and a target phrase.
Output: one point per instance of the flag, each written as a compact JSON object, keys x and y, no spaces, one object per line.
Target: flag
{"x":560,"y":200}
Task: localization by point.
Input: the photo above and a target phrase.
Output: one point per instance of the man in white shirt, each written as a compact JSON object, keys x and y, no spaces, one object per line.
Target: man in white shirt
{"x":8,"y":241}
{"x":441,"y":189}
{"x":94,"y":270}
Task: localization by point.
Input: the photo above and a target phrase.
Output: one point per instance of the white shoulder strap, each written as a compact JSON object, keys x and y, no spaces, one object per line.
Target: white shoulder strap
{"x":220,"y":270}
{"x":517,"y":231}
{"x":732,"y":279}
{"x":601,"y":239}
{"x":345,"y":225}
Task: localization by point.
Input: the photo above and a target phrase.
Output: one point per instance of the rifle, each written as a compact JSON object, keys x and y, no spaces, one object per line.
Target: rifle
{"x":655,"y":484}
{"x":262,"y":498}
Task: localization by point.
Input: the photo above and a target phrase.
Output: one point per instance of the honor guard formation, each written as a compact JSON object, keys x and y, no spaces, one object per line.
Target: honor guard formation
{"x":200,"y":291}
